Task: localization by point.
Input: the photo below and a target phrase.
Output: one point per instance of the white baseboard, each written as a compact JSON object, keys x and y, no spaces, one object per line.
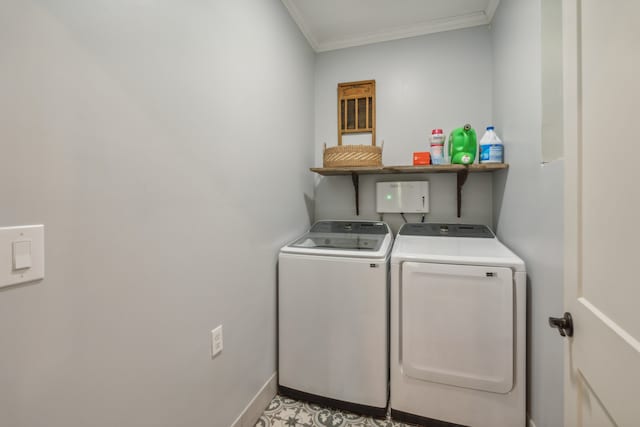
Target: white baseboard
{"x":252,"y":412}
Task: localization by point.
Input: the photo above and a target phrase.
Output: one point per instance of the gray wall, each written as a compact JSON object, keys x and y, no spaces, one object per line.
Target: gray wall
{"x":435,"y":81}
{"x":145,"y":137}
{"x":551,"y":59}
{"x":529,"y":197}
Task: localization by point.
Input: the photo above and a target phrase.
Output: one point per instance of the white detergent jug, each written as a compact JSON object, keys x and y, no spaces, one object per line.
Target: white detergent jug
{"x":491,"y":147}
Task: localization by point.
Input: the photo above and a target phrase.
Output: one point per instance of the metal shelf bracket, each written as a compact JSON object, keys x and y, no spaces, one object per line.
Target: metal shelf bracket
{"x":461,"y":179}
{"x":356,"y":186}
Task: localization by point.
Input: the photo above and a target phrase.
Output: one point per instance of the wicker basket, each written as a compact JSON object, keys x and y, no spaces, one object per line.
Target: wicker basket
{"x":342,"y":156}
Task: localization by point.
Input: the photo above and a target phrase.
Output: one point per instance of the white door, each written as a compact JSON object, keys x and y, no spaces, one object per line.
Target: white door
{"x":602,"y":207}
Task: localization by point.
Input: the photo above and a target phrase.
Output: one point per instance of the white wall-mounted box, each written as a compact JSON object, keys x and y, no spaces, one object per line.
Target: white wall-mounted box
{"x":402,"y":197}
{"x":21,"y":254}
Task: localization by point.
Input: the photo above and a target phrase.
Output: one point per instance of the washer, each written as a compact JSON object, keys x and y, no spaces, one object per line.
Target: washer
{"x":458,"y":328}
{"x":333,"y":316}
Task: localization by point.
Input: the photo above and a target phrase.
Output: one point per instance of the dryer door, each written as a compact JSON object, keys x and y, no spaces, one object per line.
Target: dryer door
{"x":457,"y":325}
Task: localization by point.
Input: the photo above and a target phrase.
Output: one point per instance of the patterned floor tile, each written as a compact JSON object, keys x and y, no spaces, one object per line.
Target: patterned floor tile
{"x":286,"y":412}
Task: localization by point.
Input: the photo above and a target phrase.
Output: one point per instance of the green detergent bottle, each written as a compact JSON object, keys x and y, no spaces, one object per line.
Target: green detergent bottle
{"x":462,"y":145}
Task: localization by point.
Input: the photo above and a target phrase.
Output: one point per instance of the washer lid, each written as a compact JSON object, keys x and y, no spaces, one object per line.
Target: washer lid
{"x":344,"y":238}
{"x":349,"y":227}
{"x":360,"y":242}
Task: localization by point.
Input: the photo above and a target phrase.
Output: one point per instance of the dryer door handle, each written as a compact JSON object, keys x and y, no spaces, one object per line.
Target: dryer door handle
{"x":564,"y":324}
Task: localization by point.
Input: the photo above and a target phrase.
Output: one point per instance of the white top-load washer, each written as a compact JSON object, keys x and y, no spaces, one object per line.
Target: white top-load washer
{"x":333,"y":316}
{"x":458,"y":328}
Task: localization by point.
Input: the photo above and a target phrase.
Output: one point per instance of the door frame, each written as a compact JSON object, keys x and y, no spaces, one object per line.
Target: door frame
{"x":572,"y":189}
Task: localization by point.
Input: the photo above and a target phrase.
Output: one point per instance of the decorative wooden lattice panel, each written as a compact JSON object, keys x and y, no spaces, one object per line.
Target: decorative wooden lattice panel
{"x":357,"y":109}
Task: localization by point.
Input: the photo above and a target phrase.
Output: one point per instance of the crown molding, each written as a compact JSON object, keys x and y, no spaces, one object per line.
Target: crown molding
{"x":491,"y":9}
{"x":428,"y":27}
{"x":297,"y":17}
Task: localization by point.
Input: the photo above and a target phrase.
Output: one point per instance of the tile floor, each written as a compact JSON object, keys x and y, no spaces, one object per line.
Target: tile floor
{"x":286,"y":412}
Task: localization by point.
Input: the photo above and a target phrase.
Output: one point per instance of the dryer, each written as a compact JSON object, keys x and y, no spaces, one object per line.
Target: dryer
{"x":458,"y":328}
{"x":333,"y":316}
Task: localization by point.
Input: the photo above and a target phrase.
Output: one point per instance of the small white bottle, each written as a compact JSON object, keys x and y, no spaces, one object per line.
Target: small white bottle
{"x":491,"y":147}
{"x":437,"y":146}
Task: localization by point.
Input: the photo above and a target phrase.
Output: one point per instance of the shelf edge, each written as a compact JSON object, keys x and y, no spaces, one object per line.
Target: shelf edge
{"x":408,"y":169}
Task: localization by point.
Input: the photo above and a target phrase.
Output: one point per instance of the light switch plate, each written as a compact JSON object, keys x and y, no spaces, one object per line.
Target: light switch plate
{"x":216,"y":341}
{"x":21,"y":254}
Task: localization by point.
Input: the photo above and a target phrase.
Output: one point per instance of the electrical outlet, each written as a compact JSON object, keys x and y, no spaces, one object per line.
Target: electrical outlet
{"x":216,"y":341}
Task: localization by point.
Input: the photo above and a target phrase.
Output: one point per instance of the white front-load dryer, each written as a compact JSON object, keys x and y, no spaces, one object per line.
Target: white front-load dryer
{"x":458,"y":328}
{"x":333,"y":316}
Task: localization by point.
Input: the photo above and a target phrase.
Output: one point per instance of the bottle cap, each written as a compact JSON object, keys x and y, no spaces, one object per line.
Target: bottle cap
{"x":490,"y":128}
{"x":436,"y":131}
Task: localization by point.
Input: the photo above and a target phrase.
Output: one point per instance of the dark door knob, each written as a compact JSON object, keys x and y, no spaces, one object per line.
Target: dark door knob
{"x":564,"y":324}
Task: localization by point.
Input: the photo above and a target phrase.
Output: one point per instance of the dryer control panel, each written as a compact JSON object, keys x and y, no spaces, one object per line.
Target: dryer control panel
{"x":446,"y":230}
